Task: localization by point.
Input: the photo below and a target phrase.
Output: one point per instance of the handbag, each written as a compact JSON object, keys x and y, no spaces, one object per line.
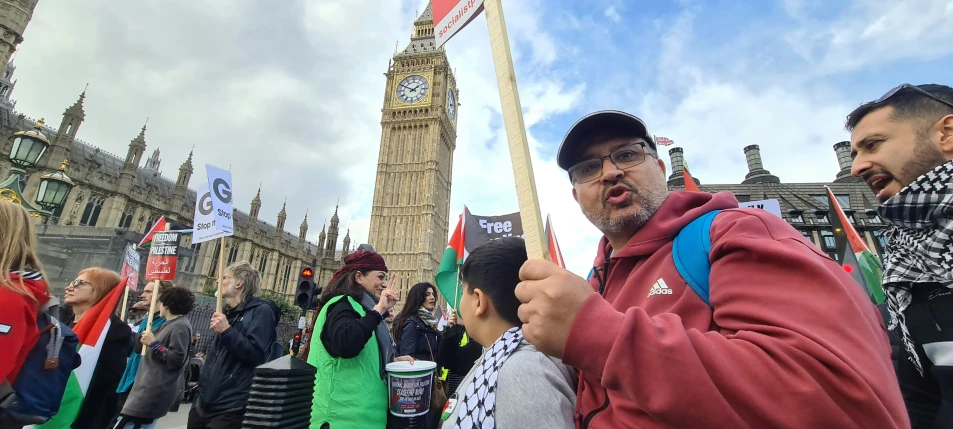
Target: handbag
{"x":439,"y":388}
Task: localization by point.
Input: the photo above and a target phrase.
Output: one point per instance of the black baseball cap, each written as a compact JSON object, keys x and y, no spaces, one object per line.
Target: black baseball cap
{"x":570,"y":148}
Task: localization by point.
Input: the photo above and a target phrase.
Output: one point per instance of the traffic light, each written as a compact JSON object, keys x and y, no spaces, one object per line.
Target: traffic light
{"x":296,"y":343}
{"x":305,"y":294}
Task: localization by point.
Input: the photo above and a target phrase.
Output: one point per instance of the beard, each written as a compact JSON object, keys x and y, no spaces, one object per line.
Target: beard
{"x":925,"y":158}
{"x":647,"y":200}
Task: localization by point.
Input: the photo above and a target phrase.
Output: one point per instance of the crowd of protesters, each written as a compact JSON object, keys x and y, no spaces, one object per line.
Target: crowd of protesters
{"x":778,"y":335}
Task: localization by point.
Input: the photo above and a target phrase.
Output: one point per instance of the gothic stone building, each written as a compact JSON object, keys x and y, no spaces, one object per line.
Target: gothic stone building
{"x":803,"y":205}
{"x":117,"y":193}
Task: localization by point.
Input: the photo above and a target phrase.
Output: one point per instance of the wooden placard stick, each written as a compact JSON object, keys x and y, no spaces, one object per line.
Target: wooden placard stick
{"x":221,"y":269}
{"x":526,"y":194}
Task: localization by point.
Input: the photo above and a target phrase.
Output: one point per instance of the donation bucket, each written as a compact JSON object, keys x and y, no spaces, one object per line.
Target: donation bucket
{"x":409,"y":387}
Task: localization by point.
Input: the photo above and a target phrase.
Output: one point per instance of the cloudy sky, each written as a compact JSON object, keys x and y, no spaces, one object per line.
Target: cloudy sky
{"x":290,"y":96}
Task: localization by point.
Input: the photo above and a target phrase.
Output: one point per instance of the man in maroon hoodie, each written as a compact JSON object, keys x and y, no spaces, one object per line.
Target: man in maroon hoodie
{"x":790,"y":340}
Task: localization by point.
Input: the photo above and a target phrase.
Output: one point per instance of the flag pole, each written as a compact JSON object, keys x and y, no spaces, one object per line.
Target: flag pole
{"x":152,"y":305}
{"x":515,"y":131}
{"x":125,"y":301}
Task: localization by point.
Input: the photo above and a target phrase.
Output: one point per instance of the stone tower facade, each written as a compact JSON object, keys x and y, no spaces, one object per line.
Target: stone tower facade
{"x":14,"y":17}
{"x":410,"y":212}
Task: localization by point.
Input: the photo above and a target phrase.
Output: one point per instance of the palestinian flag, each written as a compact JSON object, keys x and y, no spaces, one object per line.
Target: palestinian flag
{"x":91,"y":331}
{"x":555,"y":253}
{"x":160,"y":226}
{"x":689,"y":182}
{"x":856,"y":257}
{"x":448,"y":273}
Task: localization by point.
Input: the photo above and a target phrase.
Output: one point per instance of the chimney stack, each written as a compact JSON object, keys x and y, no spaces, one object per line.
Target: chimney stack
{"x":678,"y":164}
{"x":756,"y":171}
{"x":845,"y":162}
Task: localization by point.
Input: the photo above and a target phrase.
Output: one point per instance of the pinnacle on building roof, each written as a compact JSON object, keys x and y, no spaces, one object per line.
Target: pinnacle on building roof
{"x":141,"y":138}
{"x":422,"y":39}
{"x":304,"y":223}
{"x":334,"y":218}
{"x":426,"y":16}
{"x":77,"y":108}
{"x":187,"y":165}
{"x":284,"y":206}
{"x":257,"y":198}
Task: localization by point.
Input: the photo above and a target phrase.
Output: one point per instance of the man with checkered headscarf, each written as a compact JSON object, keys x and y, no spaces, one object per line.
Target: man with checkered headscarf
{"x":902,"y":145}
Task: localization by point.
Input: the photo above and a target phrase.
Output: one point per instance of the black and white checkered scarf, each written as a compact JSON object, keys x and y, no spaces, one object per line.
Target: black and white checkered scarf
{"x":479,"y":402}
{"x":920,"y":247}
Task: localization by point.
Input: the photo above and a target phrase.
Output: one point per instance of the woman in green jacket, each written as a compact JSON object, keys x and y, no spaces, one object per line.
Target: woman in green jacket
{"x":350,"y":346}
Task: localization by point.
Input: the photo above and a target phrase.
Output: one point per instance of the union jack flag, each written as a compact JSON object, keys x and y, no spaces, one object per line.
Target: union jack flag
{"x":664,"y":141}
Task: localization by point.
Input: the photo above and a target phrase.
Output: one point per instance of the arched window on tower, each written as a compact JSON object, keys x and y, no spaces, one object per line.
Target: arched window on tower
{"x":91,"y":212}
{"x":232,"y":254}
{"x":213,"y":267}
{"x":196,"y":251}
{"x":126,"y":220}
{"x":262,"y":263}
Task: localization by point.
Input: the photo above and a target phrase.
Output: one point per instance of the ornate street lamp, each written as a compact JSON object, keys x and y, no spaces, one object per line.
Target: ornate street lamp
{"x":54,"y":188}
{"x":28,"y":147}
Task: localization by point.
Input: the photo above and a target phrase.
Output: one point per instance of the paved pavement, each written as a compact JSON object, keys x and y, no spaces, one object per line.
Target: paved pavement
{"x":176,"y":420}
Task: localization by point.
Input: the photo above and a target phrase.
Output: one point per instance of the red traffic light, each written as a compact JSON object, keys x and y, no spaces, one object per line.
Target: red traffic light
{"x":298,"y":336}
{"x":307,"y":272}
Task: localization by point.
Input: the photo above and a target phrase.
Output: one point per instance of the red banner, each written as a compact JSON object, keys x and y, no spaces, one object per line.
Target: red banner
{"x":163,"y":256}
{"x":450,"y":16}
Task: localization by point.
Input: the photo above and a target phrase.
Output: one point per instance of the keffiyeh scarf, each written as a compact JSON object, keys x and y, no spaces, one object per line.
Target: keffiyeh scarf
{"x":920,"y":247}
{"x":479,"y":402}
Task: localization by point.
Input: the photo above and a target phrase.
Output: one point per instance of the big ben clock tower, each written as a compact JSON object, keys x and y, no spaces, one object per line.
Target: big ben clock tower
{"x":410,"y":212}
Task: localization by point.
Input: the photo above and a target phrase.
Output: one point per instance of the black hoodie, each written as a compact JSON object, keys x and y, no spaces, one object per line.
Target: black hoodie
{"x":226,"y":378}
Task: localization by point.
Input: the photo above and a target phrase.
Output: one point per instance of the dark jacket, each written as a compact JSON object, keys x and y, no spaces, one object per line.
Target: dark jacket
{"x":896,"y":345}
{"x":99,"y":408}
{"x":416,"y":339}
{"x":929,"y":397}
{"x":226,"y":377}
{"x":457,"y":353}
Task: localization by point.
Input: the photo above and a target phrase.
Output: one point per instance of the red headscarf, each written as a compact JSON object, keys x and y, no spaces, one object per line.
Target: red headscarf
{"x":361,"y":260}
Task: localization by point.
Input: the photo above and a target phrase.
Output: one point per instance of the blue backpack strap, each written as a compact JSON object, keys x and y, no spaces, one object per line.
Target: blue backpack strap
{"x":690,"y":252}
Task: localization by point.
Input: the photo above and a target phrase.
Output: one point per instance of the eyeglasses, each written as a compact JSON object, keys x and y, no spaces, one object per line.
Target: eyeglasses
{"x":77,"y":283}
{"x":921,"y":91}
{"x":623,"y":158}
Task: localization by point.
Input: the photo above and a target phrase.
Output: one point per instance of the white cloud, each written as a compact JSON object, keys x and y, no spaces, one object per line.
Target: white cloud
{"x":875,"y":32}
{"x":613,"y":14}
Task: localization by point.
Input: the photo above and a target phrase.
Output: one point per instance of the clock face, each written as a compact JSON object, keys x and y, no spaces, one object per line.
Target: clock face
{"x":412,"y":89}
{"x":451,"y":105}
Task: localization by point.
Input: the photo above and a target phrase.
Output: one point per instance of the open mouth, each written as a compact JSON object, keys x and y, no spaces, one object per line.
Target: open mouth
{"x":878,"y":182}
{"x":617,"y":194}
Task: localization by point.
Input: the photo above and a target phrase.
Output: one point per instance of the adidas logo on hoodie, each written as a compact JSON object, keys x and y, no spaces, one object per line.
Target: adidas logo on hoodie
{"x":660,"y":288}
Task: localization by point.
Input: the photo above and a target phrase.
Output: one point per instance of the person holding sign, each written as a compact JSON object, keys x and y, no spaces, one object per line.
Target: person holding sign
{"x":243,"y":336}
{"x":350,"y":345}
{"x":758,"y":329}
{"x":159,"y":377}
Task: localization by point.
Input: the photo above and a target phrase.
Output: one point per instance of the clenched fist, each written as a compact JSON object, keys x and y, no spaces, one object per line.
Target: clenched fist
{"x":551,"y":297}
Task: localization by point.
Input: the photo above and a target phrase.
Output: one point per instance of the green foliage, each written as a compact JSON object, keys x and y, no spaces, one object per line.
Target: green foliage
{"x":288,"y":310}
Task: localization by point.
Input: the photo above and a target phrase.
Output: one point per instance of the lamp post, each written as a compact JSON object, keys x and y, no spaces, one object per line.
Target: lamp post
{"x":28,"y":147}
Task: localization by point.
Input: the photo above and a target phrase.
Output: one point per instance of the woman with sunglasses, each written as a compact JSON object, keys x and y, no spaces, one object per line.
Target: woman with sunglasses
{"x":90,"y":286}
